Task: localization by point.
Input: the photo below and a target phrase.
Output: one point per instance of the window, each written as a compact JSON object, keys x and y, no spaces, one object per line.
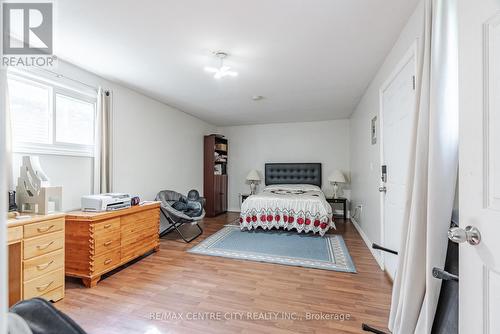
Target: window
{"x":30,"y":112}
{"x":50,"y":119}
{"x":74,"y":121}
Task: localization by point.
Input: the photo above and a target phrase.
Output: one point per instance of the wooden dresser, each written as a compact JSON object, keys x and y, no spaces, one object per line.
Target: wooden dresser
{"x":97,"y":243}
{"x":36,"y":257}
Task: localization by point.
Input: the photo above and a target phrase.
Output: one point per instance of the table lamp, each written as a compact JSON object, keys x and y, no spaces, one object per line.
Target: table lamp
{"x":335,"y":178}
{"x":253,"y":177}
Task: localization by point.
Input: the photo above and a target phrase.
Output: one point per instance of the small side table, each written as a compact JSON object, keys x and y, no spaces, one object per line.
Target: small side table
{"x":243,"y":197}
{"x":339,"y":200}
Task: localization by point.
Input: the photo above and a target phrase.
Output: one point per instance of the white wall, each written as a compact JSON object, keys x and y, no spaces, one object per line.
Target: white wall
{"x":75,"y":174}
{"x":155,"y":147}
{"x":250,"y":147}
{"x":365,"y":157}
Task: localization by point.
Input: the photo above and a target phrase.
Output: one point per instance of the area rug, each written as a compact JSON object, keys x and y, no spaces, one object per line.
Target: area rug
{"x":281,"y":247}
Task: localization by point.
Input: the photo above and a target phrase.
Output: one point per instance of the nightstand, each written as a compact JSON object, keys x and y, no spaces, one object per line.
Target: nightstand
{"x":243,"y":197}
{"x":339,"y":200}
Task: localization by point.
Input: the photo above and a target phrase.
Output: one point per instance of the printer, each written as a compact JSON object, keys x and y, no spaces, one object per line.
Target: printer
{"x":106,"y":202}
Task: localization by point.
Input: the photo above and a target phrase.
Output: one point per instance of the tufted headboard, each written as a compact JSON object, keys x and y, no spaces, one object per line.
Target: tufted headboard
{"x":293,"y":173}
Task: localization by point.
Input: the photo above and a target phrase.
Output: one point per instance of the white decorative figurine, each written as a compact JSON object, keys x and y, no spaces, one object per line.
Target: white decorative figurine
{"x":33,"y":191}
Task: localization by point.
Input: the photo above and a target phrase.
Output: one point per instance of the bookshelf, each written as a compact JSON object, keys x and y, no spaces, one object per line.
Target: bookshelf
{"x":215,"y":174}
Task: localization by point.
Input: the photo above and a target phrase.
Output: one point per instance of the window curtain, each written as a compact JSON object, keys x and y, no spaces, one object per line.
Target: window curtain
{"x":103,"y":147}
{"x":3,"y":208}
{"x":8,"y":139}
{"x":433,"y":175}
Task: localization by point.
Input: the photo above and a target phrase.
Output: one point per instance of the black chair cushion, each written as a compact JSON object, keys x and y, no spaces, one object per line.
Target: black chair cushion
{"x":43,"y":318}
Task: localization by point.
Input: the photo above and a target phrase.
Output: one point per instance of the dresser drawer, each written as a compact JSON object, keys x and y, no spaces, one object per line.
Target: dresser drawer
{"x":140,"y":219}
{"x":54,"y":295}
{"x":43,"y":284}
{"x":146,"y":233}
{"x":106,"y":242}
{"x":108,"y":226}
{"x":41,"y":265}
{"x":49,"y":226}
{"x":107,"y":261}
{"x":14,"y":234}
{"x":43,"y":245}
{"x":138,"y":223}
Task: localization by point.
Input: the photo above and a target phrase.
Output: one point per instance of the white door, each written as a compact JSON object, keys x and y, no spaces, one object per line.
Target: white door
{"x":397,"y":113}
{"x":479,"y":182}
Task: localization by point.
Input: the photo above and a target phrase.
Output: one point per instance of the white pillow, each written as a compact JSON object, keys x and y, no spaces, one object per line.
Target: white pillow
{"x":299,"y":187}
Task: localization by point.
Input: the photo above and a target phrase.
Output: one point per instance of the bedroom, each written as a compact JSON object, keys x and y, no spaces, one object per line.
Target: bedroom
{"x":321,"y":139}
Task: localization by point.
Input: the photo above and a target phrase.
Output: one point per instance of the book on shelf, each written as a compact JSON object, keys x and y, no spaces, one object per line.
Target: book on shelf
{"x":220,"y":157}
{"x":217,"y":170}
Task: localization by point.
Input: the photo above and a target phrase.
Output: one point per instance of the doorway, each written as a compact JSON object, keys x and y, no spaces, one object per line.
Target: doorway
{"x":397,"y":117}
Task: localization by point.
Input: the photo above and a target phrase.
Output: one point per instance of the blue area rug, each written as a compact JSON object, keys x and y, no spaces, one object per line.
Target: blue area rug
{"x":282,"y":247}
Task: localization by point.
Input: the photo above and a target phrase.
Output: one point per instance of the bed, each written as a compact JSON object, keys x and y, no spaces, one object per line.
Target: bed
{"x":291,"y":200}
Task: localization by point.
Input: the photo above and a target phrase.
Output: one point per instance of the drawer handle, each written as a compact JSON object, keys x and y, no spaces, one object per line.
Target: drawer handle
{"x":45,"y":229}
{"x":44,"y":266}
{"x":107,"y":226}
{"x":44,"y":287}
{"x":108,"y":261}
{"x":107,"y":243}
{"x":45,"y":246}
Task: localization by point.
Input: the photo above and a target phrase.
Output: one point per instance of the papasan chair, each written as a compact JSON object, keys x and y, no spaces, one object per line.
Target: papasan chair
{"x":175,"y":218}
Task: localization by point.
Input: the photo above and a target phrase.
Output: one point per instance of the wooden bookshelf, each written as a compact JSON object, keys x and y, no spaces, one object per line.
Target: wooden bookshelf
{"x":215,"y":174}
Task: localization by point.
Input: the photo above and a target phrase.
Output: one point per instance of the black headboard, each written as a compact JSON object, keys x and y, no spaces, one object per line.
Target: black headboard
{"x":293,"y":173}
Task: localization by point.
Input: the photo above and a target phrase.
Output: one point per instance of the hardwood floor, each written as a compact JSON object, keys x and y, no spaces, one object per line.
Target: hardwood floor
{"x":163,"y":292}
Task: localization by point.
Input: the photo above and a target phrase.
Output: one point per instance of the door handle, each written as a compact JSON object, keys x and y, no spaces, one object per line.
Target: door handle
{"x":470,"y":234}
{"x":382,"y":189}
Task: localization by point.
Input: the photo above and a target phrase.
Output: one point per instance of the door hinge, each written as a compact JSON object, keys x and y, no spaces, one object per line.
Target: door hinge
{"x":414,"y":81}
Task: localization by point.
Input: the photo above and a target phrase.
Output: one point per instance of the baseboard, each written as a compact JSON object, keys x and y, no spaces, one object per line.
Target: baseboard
{"x":368,"y":243}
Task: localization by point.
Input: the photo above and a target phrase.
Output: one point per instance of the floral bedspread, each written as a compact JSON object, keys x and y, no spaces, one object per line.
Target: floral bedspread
{"x":291,"y":207}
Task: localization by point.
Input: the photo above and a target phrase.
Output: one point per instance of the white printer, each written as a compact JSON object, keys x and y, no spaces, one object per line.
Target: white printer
{"x":106,"y":202}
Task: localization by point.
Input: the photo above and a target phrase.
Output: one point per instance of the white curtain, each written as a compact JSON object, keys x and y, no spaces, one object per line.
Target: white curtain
{"x":8,"y":140}
{"x":103,"y":151}
{"x":3,"y":209}
{"x":433,"y":175}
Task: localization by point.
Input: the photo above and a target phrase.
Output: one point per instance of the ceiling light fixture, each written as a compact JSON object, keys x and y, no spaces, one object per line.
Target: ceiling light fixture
{"x":223,"y":70}
{"x":257,"y":97}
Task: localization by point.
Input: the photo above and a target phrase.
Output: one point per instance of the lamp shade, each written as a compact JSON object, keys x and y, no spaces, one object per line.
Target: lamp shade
{"x":253,"y":176}
{"x":337,"y":176}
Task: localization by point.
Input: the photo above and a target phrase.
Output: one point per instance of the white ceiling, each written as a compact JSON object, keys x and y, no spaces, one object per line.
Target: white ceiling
{"x":311,"y":59}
